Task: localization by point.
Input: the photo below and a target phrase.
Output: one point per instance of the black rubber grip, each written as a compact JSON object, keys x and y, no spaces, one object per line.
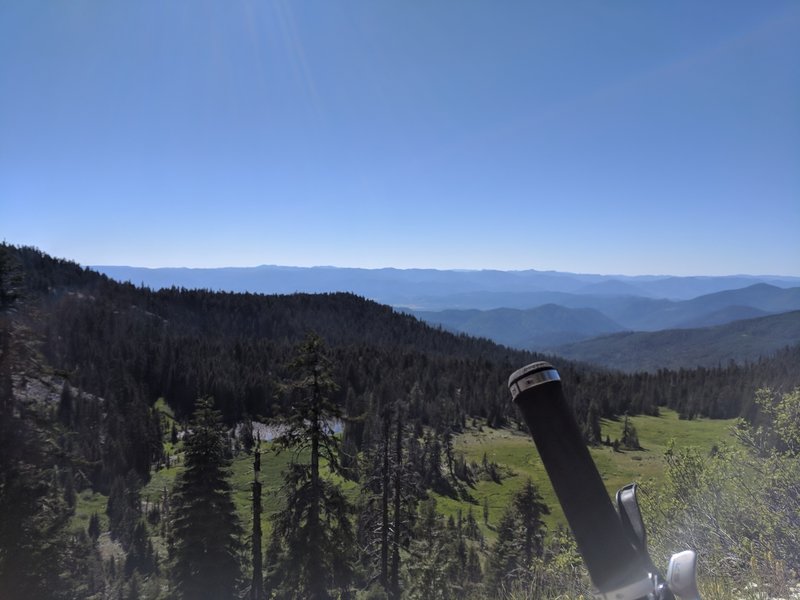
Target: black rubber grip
{"x":611,"y":560}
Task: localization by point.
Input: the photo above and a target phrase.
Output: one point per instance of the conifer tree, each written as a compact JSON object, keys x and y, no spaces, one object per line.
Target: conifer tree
{"x":403,"y":502}
{"x":520,"y":535}
{"x":630,"y":437}
{"x":315,"y":525}
{"x":530,"y":508}
{"x":257,"y":585}
{"x":388,"y":501}
{"x":385,"y":493}
{"x":205,"y":527}
{"x":94,"y":526}
{"x":591,"y":428}
{"x":505,"y":558}
{"x":434,"y":571}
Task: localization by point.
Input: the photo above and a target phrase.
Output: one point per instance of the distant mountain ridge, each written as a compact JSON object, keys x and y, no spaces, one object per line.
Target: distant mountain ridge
{"x":582,"y":317}
{"x":563,"y":313}
{"x":540,"y":327}
{"x":431,"y":289}
{"x":739,"y":341}
{"x":644,"y":314}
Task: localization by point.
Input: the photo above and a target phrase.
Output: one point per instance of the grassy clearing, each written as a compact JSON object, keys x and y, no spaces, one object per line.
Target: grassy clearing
{"x":87,"y":503}
{"x":163,"y":408}
{"x":272,"y":467}
{"x":516,"y":454}
{"x":512,"y":450}
{"x":655,"y":435}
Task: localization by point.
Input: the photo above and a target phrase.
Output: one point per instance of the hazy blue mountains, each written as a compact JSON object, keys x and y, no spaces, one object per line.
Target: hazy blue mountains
{"x":578,"y":317}
{"x":739,"y":341}
{"x":541,"y":327}
{"x":431,"y":289}
{"x":647,"y":314}
{"x":547,"y":311}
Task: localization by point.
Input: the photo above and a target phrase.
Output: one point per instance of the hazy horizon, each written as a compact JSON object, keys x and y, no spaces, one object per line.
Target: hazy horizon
{"x":464,"y":270}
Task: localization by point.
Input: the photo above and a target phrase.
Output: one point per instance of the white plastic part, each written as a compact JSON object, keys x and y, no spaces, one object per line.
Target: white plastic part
{"x":682,"y":575}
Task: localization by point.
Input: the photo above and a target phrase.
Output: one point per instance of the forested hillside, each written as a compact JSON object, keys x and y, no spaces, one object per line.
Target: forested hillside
{"x":739,"y":341}
{"x":545,"y":326}
{"x":560,"y":319}
{"x":176,"y":343}
{"x":87,"y":362}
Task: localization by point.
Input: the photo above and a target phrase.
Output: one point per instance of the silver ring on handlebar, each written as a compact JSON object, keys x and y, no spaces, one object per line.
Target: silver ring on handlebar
{"x":528,"y":381}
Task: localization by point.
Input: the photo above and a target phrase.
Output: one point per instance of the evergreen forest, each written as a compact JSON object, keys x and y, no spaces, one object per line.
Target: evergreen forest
{"x":125,"y":411}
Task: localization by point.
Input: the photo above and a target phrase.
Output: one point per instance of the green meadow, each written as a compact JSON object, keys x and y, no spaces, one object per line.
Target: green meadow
{"x":512,"y":450}
{"x":518,"y":460}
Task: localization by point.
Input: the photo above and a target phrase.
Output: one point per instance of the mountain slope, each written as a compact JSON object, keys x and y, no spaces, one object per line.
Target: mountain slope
{"x":729,"y":314}
{"x":532,"y":329}
{"x":740,"y":341}
{"x":761,"y":296}
{"x":571,"y":318}
{"x":652,"y":314}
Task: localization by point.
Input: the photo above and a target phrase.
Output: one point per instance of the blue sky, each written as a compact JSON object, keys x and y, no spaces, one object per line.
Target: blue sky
{"x":608,"y":137}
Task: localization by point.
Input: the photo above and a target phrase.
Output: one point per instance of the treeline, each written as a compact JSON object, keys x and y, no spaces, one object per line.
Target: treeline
{"x":181,"y":344}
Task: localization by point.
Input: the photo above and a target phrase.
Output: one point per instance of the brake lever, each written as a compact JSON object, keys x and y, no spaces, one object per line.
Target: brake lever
{"x":632,"y":522}
{"x":681,"y":579}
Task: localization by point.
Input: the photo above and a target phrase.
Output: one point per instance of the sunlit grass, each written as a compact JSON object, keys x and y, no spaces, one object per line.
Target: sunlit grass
{"x":512,"y":450}
{"x":87,"y":503}
{"x":516,"y":454}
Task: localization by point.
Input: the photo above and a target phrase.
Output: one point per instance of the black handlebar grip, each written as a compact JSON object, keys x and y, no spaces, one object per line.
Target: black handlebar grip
{"x":613,"y":563}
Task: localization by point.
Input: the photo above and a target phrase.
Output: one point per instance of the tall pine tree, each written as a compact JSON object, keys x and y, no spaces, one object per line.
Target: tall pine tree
{"x":257,"y":585}
{"x":205,"y":527}
{"x":315,"y":527}
{"x":520,"y":536}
